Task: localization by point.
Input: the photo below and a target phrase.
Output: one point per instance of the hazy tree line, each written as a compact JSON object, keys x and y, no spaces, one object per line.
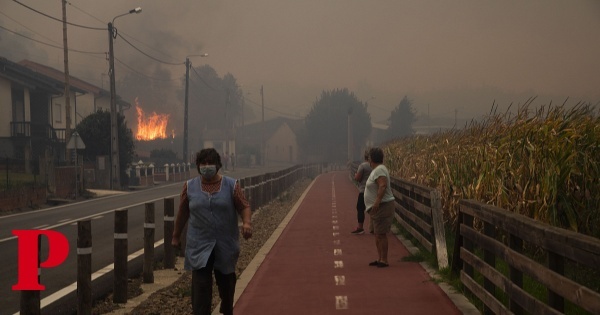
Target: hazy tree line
{"x":216,"y":103}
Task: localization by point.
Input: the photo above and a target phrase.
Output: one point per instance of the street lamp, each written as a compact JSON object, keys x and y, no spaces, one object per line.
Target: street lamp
{"x":188,"y":64}
{"x":115,"y":182}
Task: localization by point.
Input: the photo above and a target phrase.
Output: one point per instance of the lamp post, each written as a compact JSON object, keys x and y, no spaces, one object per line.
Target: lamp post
{"x":188,"y":64}
{"x":115,"y":182}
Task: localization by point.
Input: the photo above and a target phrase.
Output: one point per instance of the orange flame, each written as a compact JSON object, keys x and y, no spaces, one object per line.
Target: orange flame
{"x":151,"y":127}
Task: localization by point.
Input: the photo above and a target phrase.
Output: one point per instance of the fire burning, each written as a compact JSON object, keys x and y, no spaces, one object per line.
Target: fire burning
{"x":151,"y":127}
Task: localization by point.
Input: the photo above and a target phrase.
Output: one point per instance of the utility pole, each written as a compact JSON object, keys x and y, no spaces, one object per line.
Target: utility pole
{"x":115,"y":182}
{"x":67,"y":83}
{"x":185,"y":112}
{"x":350,"y":142}
{"x":188,"y":64}
{"x":262,"y":134}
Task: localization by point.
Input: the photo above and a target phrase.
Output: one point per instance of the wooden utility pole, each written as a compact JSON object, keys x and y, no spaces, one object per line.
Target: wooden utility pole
{"x":67,"y":85}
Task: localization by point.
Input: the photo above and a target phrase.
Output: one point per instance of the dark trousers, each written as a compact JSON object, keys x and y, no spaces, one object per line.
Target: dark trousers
{"x":360,"y":208}
{"x":202,"y":283}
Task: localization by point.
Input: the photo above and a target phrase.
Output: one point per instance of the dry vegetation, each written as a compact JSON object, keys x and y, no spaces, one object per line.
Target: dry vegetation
{"x":542,"y":163}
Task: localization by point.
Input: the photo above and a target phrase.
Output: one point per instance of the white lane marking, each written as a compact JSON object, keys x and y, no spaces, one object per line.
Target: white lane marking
{"x":336,"y":227}
{"x":338,"y":264}
{"x":65,"y":220}
{"x":341,"y":302}
{"x":40,"y":227}
{"x":336,"y":242}
{"x":337,"y":252}
{"x":98,"y":217}
{"x":340,"y":280}
{"x":73,"y":286}
{"x":334,"y":222}
{"x":335,"y":234}
{"x":334,"y":217}
{"x":82,"y":218}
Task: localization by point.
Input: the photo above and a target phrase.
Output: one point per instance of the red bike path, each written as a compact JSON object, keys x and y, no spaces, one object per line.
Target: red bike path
{"x":316,"y":266}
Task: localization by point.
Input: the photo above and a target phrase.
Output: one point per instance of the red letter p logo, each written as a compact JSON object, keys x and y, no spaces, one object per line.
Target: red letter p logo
{"x":58,"y":250}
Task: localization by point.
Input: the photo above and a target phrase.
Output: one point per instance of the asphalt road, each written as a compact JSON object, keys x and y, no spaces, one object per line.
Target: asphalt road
{"x":58,"y":297}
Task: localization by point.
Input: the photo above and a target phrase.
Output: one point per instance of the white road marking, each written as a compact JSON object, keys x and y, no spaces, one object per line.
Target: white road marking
{"x":340,"y":280}
{"x":337,"y":252}
{"x":40,"y":227}
{"x":336,"y":227}
{"x":65,"y":220}
{"x":341,"y":302}
{"x":335,"y":234}
{"x":338,"y":264}
{"x":334,"y":222}
{"x":336,"y":242}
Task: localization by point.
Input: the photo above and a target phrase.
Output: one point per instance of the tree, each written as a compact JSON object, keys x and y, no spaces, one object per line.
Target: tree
{"x":95,"y":133}
{"x":402,"y":119}
{"x":214,"y":102}
{"x":325,"y":137}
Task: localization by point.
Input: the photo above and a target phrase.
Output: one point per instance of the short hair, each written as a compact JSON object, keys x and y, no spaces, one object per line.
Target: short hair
{"x":376,"y":155}
{"x":366,"y":156}
{"x":208,"y":156}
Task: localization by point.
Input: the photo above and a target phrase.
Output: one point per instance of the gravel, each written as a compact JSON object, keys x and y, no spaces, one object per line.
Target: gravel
{"x":175,"y":299}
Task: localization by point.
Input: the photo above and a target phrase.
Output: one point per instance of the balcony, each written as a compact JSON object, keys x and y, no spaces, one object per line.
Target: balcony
{"x":26,"y":129}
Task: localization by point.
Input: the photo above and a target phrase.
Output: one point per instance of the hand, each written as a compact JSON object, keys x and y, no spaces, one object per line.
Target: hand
{"x":246,"y":230}
{"x":375,"y":207}
{"x":176,"y":243}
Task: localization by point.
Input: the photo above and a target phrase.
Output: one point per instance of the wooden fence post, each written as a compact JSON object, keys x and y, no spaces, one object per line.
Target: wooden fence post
{"x":439,"y":233}
{"x":516,"y":275}
{"x":556,"y":263}
{"x":120,"y":257}
{"x":489,"y":257}
{"x":149,"y":226}
{"x":169,"y":222}
{"x":84,"y":267}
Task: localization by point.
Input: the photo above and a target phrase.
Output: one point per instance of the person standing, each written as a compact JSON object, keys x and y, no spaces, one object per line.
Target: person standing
{"x":361,"y":176}
{"x":210,"y":204}
{"x":379,"y":202}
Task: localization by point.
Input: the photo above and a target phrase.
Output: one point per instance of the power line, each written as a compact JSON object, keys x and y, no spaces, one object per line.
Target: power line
{"x":271,"y":109}
{"x":142,"y":74}
{"x":198,"y":75}
{"x":31,"y":30}
{"x":51,"y":45}
{"x":145,"y":54}
{"x":59,"y":20}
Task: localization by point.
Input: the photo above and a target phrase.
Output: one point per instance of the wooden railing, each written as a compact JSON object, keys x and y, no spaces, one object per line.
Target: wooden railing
{"x":499,"y":235}
{"x":261,"y":189}
{"x":419,"y":211}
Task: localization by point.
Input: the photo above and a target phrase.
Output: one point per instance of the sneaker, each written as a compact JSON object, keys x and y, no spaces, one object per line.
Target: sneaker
{"x":358,"y":231}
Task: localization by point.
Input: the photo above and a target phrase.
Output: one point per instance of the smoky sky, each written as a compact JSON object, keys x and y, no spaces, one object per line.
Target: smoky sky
{"x":446,"y":56}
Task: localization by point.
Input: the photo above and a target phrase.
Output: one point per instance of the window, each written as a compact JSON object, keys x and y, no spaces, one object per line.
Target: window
{"x":57,"y":113}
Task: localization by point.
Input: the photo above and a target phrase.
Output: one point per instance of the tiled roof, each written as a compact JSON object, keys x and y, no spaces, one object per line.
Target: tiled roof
{"x":60,"y":76}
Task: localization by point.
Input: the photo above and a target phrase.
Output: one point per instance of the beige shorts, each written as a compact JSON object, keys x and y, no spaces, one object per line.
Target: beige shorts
{"x":382,"y":220}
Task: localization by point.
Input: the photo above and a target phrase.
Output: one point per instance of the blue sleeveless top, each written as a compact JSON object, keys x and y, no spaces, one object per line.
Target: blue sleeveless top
{"x":213,"y":225}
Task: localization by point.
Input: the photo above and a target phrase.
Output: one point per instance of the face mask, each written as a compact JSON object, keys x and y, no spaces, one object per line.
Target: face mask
{"x":208,"y":171}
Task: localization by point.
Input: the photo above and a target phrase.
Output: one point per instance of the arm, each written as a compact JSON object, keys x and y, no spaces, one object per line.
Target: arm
{"x":358,"y":175}
{"x":243,"y":208}
{"x":182,"y":217}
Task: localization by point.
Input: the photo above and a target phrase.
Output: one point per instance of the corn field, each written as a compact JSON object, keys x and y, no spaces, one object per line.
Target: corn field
{"x":542,"y":163}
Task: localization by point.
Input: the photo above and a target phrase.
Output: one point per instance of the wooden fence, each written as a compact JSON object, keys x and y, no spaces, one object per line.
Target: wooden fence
{"x":490,"y":235}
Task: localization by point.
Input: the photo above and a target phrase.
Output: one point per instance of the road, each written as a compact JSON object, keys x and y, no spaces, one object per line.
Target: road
{"x":64,"y":220}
